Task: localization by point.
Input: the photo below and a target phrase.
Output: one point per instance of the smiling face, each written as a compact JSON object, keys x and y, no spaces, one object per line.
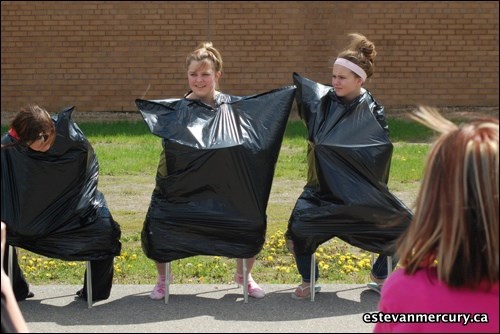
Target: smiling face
{"x":203,"y":80}
{"x":347,"y":84}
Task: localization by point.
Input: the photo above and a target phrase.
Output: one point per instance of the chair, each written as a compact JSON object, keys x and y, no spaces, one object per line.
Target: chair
{"x":89,"y":275}
{"x":168,"y":270}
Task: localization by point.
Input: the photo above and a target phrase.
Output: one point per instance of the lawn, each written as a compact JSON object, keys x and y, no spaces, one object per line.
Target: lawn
{"x":128,"y":155}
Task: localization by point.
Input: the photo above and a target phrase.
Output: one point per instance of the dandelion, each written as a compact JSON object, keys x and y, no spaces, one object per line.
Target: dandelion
{"x":325,"y":266}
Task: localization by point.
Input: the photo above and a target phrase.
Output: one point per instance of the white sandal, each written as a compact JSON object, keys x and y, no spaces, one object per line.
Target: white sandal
{"x":302,"y":289}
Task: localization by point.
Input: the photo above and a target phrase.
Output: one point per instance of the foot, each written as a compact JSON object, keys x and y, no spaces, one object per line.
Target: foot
{"x":379,"y":281}
{"x":30,"y":295}
{"x":158,"y":291}
{"x":254,"y":290}
{"x":304,"y":291}
{"x":376,"y":284}
{"x":82,"y":294}
{"x":375,"y":287}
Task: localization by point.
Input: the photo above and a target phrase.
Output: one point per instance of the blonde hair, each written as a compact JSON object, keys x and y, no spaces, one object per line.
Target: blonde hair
{"x":206,"y":52}
{"x":455,"y":226}
{"x":361,"y":52}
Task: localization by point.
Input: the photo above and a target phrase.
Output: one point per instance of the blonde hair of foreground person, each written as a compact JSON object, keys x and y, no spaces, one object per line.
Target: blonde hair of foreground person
{"x":455,"y":226}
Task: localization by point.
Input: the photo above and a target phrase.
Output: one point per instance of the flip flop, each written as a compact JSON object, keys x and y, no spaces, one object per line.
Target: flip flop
{"x":302,"y":289}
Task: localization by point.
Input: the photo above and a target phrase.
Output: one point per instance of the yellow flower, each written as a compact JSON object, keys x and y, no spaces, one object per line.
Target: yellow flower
{"x":325,"y":267}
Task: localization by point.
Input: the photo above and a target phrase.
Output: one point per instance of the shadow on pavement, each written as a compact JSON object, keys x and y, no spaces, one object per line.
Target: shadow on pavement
{"x":131,"y":305}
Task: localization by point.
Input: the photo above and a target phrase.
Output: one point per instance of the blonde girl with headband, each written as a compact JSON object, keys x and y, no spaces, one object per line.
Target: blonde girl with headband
{"x":204,"y":69}
{"x":351,"y":69}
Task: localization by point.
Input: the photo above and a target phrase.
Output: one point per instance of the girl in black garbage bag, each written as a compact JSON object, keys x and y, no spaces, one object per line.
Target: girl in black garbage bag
{"x":35,"y":152}
{"x":350,"y":70}
{"x":204,"y":69}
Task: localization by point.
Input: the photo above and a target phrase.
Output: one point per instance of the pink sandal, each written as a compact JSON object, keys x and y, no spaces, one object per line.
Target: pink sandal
{"x":159,"y":289}
{"x":254,"y":290}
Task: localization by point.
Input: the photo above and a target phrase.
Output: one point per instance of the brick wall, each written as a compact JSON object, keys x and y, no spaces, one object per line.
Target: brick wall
{"x":101,"y":55}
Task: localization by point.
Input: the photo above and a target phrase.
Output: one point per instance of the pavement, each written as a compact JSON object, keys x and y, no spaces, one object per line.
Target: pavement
{"x":200,"y":308}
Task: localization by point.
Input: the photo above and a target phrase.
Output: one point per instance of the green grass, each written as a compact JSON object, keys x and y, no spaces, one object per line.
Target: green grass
{"x":128,"y":155}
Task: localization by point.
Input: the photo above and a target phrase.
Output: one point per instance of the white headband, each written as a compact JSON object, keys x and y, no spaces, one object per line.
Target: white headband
{"x":353,"y":67}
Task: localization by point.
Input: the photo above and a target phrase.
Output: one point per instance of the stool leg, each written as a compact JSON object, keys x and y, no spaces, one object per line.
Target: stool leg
{"x":245,"y":281}
{"x":10,"y":267}
{"x":168,"y":270}
{"x":312,"y":284}
{"x":89,"y":285}
{"x":389,"y":266}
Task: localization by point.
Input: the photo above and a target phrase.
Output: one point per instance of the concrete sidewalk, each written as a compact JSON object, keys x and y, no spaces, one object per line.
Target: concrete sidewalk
{"x":203,"y":308}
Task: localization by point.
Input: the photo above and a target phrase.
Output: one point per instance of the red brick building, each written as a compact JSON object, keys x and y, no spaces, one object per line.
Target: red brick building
{"x":101,"y":55}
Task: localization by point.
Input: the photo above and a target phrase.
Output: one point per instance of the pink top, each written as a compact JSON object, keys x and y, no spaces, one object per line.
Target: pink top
{"x":422,"y":293}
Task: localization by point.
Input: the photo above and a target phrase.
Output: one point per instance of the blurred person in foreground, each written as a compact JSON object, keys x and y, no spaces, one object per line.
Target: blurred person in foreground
{"x":12,"y":318}
{"x":449,"y":254}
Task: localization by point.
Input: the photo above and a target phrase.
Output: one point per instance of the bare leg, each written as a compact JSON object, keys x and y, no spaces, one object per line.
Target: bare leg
{"x":239,"y":265}
{"x":160,"y":267}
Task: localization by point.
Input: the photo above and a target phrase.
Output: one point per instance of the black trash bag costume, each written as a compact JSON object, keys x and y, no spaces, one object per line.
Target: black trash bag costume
{"x":352,"y":156}
{"x":50,"y":200}
{"x":219,"y":169}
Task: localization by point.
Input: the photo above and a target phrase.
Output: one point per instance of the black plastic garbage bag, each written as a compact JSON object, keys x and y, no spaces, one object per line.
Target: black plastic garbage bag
{"x":352,"y":157}
{"x":220,"y":166}
{"x":50,"y":200}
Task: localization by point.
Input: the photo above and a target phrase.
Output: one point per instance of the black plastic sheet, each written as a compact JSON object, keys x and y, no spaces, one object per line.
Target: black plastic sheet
{"x":50,"y":200}
{"x":220,"y":167}
{"x":352,"y":157}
